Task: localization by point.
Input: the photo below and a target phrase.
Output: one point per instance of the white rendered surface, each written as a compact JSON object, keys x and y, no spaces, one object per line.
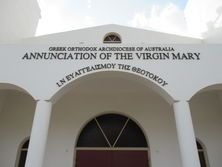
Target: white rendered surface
{"x":104,"y":91}
{"x":185,"y":132}
{"x":19,"y":19}
{"x":39,"y":134}
{"x":75,"y":109}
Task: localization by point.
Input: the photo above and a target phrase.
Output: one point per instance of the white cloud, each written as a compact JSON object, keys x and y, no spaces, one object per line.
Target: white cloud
{"x":57,"y":18}
{"x":140,"y":20}
{"x":166,"y":19}
{"x":203,"y":15}
{"x":88,"y":21}
{"x":64,"y":15}
{"x":89,"y":4}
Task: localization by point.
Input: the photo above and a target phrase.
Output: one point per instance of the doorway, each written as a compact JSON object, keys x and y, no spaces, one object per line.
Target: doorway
{"x":112,"y":140}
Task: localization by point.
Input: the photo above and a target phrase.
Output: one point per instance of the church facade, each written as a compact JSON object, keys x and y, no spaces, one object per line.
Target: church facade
{"x":111,"y":96}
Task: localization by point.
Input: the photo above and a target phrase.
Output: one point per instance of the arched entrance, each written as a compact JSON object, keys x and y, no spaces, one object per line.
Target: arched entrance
{"x":112,"y":140}
{"x":17,"y":106}
{"x":206,"y":107}
{"x":92,"y":95}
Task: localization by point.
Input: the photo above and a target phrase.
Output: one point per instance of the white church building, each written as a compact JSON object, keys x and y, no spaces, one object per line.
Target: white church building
{"x":107,"y":96}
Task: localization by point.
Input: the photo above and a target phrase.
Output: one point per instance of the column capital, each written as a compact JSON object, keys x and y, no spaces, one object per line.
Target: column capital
{"x":181,"y":101}
{"x":46,"y":100}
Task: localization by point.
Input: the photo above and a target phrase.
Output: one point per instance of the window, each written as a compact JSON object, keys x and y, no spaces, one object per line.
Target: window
{"x":111,"y":130}
{"x":112,"y":38}
{"x":202,"y":154}
{"x":23,"y":153}
{"x":112,"y":140}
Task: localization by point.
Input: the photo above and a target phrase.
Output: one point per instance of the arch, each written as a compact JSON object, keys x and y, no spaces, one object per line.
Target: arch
{"x":202,"y":152}
{"x":115,"y":113}
{"x":216,"y":86}
{"x":122,"y":75}
{"x":22,"y":153}
{"x":111,"y":112}
{"x":109,"y":136}
{"x":10,"y":86}
{"x":112,"y":37}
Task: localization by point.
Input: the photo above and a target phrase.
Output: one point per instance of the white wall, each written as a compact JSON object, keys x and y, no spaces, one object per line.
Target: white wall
{"x":207,"y":115}
{"x":75,"y":109}
{"x":153,"y":114}
{"x":15,"y":125}
{"x":18,"y":19}
{"x":177,"y":73}
{"x":213,"y":36}
{"x":2,"y":99}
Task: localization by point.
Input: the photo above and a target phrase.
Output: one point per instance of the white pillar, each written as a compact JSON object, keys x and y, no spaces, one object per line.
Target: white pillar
{"x":39,"y":134}
{"x":185,"y":132}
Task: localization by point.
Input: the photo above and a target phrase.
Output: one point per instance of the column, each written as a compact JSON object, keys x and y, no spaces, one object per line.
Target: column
{"x":39,"y":134}
{"x":185,"y":132}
